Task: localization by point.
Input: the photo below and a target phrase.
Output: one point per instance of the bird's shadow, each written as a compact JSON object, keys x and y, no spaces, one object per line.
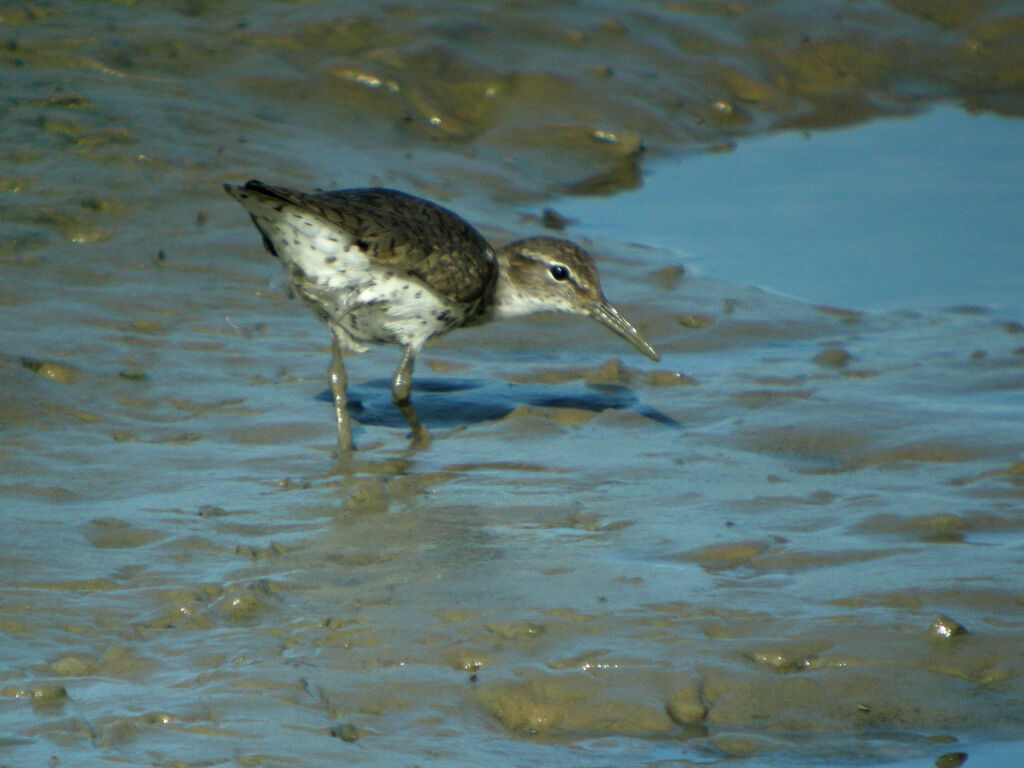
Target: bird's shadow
{"x":451,"y":402}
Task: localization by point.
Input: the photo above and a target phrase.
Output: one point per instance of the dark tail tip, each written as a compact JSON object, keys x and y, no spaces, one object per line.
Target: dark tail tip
{"x":252,"y":184}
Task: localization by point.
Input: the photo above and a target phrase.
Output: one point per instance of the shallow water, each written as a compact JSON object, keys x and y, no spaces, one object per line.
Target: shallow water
{"x":915,"y":214}
{"x":763,"y":550}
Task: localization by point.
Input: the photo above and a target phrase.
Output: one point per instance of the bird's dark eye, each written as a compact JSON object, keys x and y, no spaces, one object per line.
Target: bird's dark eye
{"x":559,"y":272}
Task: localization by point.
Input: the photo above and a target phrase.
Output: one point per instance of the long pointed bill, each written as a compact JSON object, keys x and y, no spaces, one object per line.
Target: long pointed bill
{"x":608,"y":316}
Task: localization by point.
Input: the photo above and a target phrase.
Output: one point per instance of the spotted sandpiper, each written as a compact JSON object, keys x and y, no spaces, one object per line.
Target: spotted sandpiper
{"x":384,"y":267}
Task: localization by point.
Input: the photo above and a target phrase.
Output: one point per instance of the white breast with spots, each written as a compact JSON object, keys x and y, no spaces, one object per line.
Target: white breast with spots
{"x":398,"y":308}
{"x":365,"y":302}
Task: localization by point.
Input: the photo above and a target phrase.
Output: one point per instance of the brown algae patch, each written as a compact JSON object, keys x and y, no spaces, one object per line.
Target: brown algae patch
{"x":686,"y":704}
{"x":45,"y":697}
{"x":273,"y":549}
{"x":549,"y":376}
{"x":789,"y":657}
{"x":548,"y":420}
{"x":515,"y":630}
{"x":469,"y":659}
{"x":75,"y":585}
{"x":740,"y":745}
{"x":226,"y":405}
{"x":807,"y":443}
{"x":849,"y":450}
{"x":520,"y":711}
{"x":814,"y":693}
{"x":669,"y":379}
{"x":925,"y":451}
{"x":610,"y":373}
{"x":111,"y":533}
{"x":667,"y":278}
{"x":938,"y":527}
{"x":951,"y":760}
{"x":245,"y":603}
{"x":1014,"y":472}
{"x":574,"y":703}
{"x":784,"y":561}
{"x":120,"y":662}
{"x":569,"y":417}
{"x":725,"y":556}
{"x":833,"y":358}
{"x":369,"y":496}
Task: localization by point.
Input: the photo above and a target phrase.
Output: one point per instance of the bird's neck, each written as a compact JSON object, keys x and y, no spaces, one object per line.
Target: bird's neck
{"x":510,"y":299}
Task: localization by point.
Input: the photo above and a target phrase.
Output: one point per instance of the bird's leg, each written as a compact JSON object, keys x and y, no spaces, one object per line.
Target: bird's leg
{"x":337,"y":380}
{"x":401,"y":385}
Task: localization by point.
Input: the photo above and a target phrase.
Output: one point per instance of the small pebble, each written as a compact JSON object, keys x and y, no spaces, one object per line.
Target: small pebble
{"x":611,"y":372}
{"x":553,"y":220}
{"x":347,"y":732}
{"x":667,"y":277}
{"x":58,"y":372}
{"x":669,"y":379}
{"x":694,"y":321}
{"x":951,"y":760}
{"x":946,"y":628}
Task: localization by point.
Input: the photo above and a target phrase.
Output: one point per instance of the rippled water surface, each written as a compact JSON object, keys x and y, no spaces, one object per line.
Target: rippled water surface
{"x":796,"y":540}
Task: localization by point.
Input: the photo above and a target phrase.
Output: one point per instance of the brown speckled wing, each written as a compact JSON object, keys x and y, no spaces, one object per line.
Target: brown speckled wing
{"x":406,"y":232}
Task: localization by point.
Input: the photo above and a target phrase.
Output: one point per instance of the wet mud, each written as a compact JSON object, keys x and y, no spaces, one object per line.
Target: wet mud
{"x":795,"y":539}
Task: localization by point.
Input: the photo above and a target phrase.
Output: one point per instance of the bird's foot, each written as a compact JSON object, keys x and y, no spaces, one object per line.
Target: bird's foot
{"x":420,"y":436}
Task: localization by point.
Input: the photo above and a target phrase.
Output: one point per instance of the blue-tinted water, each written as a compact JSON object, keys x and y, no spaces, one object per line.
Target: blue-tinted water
{"x":919,"y":213}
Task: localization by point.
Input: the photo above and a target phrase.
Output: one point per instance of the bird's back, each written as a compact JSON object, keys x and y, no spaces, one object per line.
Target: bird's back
{"x":392,"y":229}
{"x":377,"y":265}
